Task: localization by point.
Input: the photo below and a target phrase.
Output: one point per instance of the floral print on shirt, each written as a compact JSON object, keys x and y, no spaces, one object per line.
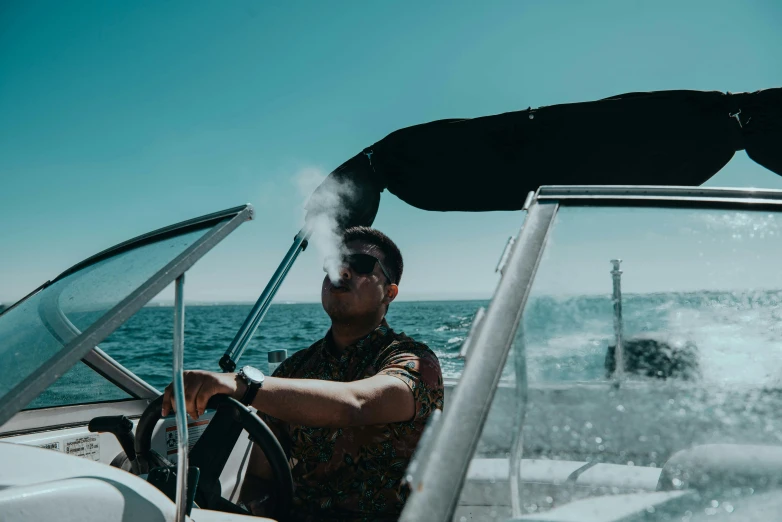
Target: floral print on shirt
{"x":355,"y":472}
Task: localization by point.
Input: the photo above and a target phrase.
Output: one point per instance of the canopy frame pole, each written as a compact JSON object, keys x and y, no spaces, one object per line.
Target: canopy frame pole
{"x":253,"y":320}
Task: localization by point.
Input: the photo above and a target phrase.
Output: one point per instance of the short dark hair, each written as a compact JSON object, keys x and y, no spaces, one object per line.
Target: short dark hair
{"x":393,"y":257}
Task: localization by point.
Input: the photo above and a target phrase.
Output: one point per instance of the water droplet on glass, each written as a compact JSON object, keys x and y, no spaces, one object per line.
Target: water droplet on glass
{"x":549,"y":500}
{"x":598,"y":440}
{"x":677,"y":483}
{"x":620,"y":408}
{"x":715,"y":503}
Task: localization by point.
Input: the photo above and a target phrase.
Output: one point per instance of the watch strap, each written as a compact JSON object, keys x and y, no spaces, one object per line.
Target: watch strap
{"x":252,"y":389}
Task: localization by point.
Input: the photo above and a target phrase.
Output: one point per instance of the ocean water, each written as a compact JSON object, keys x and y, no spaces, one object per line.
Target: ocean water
{"x":144,"y":343}
{"x":738,"y":335}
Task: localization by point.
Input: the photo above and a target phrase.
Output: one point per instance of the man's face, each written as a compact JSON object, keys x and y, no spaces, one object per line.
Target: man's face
{"x":358,"y":296}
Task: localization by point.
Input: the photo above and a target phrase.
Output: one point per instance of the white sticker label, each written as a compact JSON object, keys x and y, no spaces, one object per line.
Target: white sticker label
{"x":87,"y":446}
{"x":51,"y":446}
{"x":194,"y":432}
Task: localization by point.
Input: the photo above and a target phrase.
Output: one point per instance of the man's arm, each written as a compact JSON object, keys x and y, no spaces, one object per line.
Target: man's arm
{"x":381,"y":399}
{"x":376,"y":400}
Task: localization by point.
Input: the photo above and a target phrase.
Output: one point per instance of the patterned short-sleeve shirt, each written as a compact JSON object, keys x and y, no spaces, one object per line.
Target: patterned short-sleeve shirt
{"x":355,"y":473}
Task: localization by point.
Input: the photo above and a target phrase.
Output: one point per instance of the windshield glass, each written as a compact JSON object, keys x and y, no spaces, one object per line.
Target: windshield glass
{"x":695,"y":409}
{"x":36,"y":330}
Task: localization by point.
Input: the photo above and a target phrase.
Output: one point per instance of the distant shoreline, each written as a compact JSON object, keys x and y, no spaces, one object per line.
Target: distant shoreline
{"x":165,"y":304}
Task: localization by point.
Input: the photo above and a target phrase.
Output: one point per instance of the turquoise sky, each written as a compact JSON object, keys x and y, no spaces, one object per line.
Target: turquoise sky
{"x":120,"y":117}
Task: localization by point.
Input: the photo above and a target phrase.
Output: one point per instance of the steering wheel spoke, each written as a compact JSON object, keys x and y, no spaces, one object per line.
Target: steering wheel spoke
{"x":210,"y":454}
{"x":213,"y":449}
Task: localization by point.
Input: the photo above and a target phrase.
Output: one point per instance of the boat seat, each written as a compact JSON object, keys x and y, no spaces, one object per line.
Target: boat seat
{"x":532,"y":470}
{"x":713,"y":466}
{"x":567,"y":472}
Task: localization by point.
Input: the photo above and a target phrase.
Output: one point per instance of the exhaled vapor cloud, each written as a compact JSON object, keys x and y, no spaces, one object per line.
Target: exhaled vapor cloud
{"x":326,"y":208}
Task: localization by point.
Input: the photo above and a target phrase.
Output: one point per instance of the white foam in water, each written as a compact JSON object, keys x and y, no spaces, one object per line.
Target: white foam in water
{"x":738,"y":335}
{"x":736,"y":347}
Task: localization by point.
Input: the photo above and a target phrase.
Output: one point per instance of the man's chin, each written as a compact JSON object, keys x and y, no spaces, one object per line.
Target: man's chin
{"x":337,"y":309}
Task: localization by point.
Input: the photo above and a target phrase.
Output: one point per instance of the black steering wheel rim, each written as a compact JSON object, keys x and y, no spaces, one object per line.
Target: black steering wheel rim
{"x":229,"y":410}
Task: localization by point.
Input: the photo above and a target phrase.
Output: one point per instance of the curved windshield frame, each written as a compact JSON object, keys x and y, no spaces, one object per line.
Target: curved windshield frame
{"x":47,"y":332}
{"x":451,"y":442}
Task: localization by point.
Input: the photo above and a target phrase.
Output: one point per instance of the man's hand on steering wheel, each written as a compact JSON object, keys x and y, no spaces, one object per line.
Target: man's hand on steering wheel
{"x":200,"y":386}
{"x":215,"y":445}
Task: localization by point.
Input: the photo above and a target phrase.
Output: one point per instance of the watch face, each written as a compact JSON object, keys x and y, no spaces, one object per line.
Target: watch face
{"x":253,"y":374}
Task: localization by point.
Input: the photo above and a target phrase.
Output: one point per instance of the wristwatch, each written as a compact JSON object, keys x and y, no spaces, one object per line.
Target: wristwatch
{"x":254,"y":379}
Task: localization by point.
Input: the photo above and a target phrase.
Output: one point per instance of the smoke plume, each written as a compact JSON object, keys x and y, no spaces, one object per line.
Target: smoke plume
{"x":327,"y":209}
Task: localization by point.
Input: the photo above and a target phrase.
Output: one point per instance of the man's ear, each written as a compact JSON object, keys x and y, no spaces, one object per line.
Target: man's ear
{"x":392,"y":291}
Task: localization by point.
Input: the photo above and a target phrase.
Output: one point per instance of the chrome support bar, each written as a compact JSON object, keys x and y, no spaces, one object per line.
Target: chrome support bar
{"x":619,"y":360}
{"x":528,"y":200}
{"x":105,"y":365}
{"x":464,"y":352}
{"x":413,"y":473}
{"x":517,"y":450}
{"x":179,"y":398}
{"x":505,"y":254}
{"x":253,"y":320}
{"x":442,"y":475}
{"x":634,"y":195}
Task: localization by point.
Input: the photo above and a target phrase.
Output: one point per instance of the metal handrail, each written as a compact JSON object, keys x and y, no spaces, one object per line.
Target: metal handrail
{"x":442,"y":477}
{"x":714,"y":197}
{"x":178,"y":365}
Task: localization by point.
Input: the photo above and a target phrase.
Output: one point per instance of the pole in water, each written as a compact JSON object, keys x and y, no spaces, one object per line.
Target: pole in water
{"x":619,"y":363}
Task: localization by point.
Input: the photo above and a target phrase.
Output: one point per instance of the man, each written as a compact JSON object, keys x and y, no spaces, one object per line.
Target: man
{"x":349,"y":409}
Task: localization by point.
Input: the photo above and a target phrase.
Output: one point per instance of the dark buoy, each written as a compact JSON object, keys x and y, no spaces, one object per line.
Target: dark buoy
{"x":648,"y":357}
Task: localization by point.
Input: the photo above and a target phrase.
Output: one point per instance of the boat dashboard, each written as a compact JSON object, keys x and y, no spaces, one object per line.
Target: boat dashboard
{"x":40,"y":484}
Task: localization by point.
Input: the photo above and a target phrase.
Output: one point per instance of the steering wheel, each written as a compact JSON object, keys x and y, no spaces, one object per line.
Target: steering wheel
{"x":213,"y":448}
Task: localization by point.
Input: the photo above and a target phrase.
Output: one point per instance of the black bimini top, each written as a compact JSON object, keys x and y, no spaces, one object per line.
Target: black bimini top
{"x":490,"y":163}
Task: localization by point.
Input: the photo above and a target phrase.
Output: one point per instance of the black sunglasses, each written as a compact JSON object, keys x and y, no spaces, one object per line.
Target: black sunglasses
{"x":362,"y":264}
